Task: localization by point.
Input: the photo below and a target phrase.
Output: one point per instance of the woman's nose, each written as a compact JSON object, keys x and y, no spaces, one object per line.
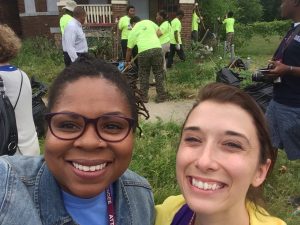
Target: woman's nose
{"x":207,"y":157}
{"x":90,"y":139}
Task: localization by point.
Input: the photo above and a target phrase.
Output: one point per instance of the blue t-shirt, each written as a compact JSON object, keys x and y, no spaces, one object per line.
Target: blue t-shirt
{"x":287,"y":92}
{"x":87,"y":211}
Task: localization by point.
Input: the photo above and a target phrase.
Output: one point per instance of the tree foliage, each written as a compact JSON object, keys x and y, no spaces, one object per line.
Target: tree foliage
{"x":271,"y":9}
{"x":245,"y":11}
{"x":249,"y":11}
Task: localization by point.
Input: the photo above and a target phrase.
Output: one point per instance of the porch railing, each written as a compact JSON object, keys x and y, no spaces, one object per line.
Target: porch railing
{"x":98,"y":14}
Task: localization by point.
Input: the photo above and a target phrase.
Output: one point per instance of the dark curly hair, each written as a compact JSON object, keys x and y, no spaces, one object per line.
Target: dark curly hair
{"x":89,"y":66}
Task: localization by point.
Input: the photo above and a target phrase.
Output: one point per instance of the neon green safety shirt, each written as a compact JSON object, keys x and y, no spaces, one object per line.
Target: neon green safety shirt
{"x":165,"y":29}
{"x":124,"y":26}
{"x":144,"y":36}
{"x":176,"y":26}
{"x":63,"y":22}
{"x":195,"y":22}
{"x":229,"y":22}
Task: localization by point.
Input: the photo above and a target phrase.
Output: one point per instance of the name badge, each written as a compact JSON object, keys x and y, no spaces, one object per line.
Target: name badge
{"x":297,"y":38}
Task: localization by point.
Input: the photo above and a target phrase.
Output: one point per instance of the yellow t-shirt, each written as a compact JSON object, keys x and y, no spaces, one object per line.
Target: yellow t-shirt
{"x":144,"y":36}
{"x":195,"y":22}
{"x":166,"y":211}
{"x":165,"y":29}
{"x":63,"y":22}
{"x":229,"y":23}
{"x":176,"y":26}
{"x":124,"y":26}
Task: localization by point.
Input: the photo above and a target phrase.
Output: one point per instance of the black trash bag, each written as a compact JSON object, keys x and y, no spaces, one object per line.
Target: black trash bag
{"x":261,"y":92}
{"x":239,"y":64}
{"x":227,"y":76}
{"x":38,"y":106}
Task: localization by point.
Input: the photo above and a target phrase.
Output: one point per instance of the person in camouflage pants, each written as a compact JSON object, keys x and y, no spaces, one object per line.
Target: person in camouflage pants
{"x":152,"y":58}
{"x":144,"y":35}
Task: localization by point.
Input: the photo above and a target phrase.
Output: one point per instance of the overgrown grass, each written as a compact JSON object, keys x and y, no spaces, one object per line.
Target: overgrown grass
{"x":185,"y":78}
{"x":40,"y":58}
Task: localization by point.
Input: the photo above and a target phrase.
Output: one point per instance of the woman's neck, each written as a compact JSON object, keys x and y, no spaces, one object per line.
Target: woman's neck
{"x":239,"y":217}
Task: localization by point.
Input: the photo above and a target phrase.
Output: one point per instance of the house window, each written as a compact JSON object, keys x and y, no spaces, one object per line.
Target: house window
{"x":52,"y":6}
{"x":170,"y":6}
{"x":29,"y":6}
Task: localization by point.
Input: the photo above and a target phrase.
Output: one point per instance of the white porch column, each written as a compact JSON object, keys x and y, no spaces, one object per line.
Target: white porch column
{"x":186,"y":1}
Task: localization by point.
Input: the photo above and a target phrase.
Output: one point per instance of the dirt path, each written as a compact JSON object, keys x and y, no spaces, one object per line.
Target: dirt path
{"x":175,"y":111}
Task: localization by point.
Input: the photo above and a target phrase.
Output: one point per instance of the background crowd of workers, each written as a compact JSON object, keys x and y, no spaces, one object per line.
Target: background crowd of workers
{"x":151,"y":46}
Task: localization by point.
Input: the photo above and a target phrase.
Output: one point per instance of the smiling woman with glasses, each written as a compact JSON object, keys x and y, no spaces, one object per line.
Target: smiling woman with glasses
{"x":83,"y":177}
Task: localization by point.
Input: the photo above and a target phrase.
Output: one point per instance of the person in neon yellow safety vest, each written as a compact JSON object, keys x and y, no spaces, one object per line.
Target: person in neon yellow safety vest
{"x":229,"y":25}
{"x":175,"y":42}
{"x":196,"y":18}
{"x":67,"y":15}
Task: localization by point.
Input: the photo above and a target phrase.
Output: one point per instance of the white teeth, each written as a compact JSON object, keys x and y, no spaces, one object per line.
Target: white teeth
{"x":89,"y":168}
{"x":204,"y":185}
{"x":92,"y":168}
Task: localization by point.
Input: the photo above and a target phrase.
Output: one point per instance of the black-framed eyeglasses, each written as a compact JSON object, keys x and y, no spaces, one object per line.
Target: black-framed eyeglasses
{"x":70,"y":126}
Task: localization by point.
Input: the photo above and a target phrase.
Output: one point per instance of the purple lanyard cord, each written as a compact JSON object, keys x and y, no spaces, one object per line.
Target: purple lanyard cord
{"x":110,"y":207}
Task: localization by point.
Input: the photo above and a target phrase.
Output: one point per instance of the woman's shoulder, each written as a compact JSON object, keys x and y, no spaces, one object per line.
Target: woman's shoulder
{"x":130,"y":178}
{"x":166,"y":211}
{"x":22,"y":166}
{"x":15,"y":197}
{"x":261,"y":216}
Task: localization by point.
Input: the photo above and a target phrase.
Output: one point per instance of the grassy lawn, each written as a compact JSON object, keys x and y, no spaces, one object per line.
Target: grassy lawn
{"x":154,"y":155}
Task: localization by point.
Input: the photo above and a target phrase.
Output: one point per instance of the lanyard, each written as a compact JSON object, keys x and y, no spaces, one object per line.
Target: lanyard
{"x":110,"y":207}
{"x":285,"y":42}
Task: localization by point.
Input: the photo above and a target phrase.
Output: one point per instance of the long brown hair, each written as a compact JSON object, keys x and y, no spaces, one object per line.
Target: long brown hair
{"x":223,"y":93}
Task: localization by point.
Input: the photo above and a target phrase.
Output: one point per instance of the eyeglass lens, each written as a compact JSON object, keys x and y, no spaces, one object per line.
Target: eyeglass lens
{"x":71,"y":126}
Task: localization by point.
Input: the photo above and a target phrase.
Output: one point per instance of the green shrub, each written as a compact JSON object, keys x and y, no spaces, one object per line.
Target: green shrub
{"x":243,"y":33}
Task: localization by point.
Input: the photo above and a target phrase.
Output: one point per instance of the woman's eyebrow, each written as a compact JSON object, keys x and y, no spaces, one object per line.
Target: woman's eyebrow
{"x":228,"y":132}
{"x":192,"y":128}
{"x":113,"y":113}
{"x":234,"y":133}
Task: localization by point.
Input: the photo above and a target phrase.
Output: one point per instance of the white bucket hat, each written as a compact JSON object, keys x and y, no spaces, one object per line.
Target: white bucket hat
{"x":70,"y":5}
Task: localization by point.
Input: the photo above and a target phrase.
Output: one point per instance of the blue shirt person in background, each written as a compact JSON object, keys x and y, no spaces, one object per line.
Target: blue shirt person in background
{"x":73,"y":40}
{"x":283,"y":112}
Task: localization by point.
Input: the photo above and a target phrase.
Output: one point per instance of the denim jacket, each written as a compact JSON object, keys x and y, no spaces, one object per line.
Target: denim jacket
{"x":29,"y":195}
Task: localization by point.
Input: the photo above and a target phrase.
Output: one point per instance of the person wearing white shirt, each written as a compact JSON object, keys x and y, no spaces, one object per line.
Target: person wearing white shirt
{"x":73,"y":40}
